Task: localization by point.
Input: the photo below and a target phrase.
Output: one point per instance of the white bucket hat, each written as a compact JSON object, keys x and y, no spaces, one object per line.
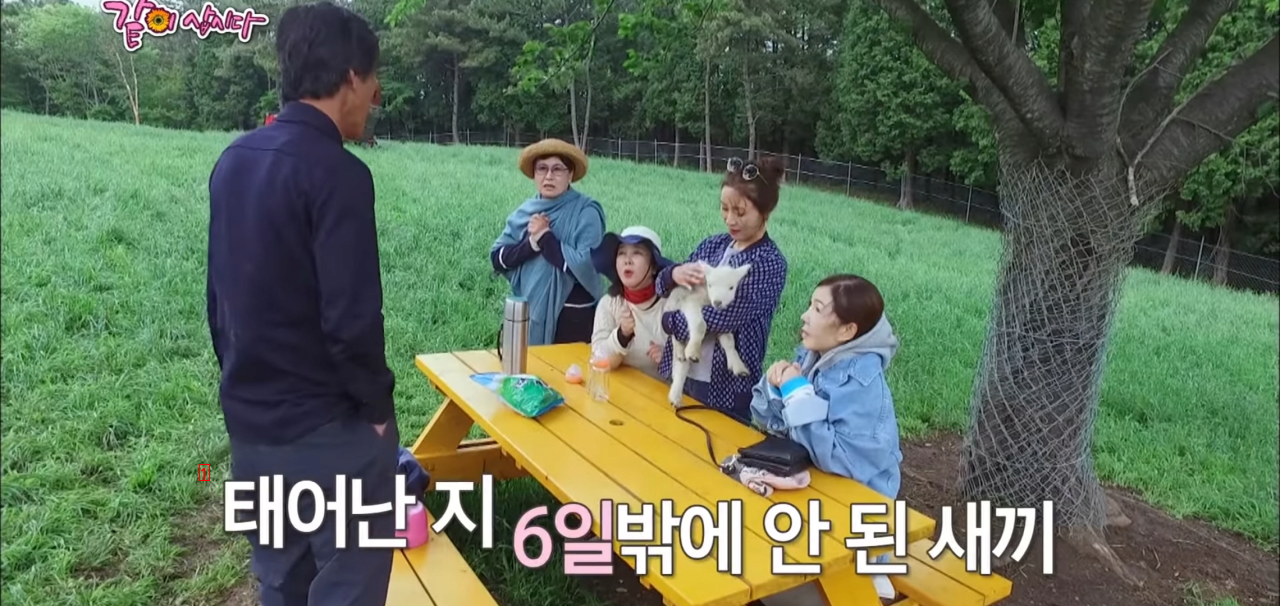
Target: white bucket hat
{"x":604,"y":257}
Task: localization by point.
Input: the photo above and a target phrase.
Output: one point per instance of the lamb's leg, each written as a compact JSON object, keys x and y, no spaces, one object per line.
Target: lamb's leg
{"x":677,"y":350}
{"x":697,"y":332}
{"x":679,"y":371}
{"x":730,"y":346}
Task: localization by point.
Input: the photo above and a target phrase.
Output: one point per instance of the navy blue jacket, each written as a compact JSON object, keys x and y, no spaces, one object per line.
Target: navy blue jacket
{"x":294,"y":285}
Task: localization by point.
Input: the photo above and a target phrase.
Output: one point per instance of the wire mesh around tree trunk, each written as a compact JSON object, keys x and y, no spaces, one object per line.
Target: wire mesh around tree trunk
{"x":1067,"y":242}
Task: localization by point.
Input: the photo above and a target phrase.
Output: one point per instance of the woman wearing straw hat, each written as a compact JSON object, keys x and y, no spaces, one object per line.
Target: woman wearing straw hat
{"x":629,"y":318}
{"x":545,"y":249}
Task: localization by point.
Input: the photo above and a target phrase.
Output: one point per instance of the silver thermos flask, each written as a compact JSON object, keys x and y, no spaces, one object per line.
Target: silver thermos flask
{"x":515,"y":336}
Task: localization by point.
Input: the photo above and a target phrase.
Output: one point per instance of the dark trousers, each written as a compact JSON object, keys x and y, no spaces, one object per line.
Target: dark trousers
{"x":575,"y":324}
{"x":309,"y":569}
{"x":739,"y":409}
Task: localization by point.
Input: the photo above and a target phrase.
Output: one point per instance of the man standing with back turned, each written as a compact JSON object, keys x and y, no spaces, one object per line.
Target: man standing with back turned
{"x":295,"y":314}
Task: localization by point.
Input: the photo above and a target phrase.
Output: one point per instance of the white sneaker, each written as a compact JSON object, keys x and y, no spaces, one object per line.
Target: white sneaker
{"x":884,"y":587}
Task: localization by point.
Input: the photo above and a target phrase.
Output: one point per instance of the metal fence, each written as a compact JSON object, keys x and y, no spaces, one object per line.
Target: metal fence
{"x":1193,"y":257}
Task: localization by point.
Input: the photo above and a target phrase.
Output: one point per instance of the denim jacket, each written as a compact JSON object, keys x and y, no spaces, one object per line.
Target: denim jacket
{"x":840,"y":410}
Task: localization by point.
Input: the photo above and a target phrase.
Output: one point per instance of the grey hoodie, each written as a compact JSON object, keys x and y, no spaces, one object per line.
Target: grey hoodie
{"x":879,"y":340}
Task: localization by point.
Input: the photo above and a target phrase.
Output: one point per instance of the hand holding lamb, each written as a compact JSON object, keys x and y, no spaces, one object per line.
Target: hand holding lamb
{"x":702,"y":285}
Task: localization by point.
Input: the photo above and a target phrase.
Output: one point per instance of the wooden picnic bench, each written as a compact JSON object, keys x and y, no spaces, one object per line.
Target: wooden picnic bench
{"x":634,"y":450}
{"x":435,"y":574}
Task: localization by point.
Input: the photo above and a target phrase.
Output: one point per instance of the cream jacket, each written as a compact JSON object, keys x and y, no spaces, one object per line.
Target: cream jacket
{"x":648,"y":329}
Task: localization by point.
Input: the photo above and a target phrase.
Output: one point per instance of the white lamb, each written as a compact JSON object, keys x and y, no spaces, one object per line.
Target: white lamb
{"x":718,"y":290}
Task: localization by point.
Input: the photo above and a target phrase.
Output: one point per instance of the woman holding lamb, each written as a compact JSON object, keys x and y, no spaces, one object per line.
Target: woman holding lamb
{"x":545,"y":249}
{"x":748,"y":195}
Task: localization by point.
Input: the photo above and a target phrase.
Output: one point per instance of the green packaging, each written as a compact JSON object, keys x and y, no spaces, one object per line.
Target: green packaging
{"x":526,"y":394}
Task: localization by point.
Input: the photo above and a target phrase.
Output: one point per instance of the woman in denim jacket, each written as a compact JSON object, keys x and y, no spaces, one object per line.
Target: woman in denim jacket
{"x":833,"y":399}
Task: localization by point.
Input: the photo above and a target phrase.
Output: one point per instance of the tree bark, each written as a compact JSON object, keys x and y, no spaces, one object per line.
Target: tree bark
{"x":1222,"y":252}
{"x":457,"y":86}
{"x":1152,"y":94}
{"x":1171,"y":251}
{"x":906,"y":195}
{"x":133,"y":70}
{"x":1008,"y":68}
{"x":586,"y":118}
{"x":1009,"y":14}
{"x":573,"y":110}
{"x":130,"y":91}
{"x":675,"y":159}
{"x":1104,"y":49}
{"x":93,"y":87}
{"x":956,"y":61}
{"x":1072,"y":14}
{"x":1207,"y":121}
{"x":706,"y":114}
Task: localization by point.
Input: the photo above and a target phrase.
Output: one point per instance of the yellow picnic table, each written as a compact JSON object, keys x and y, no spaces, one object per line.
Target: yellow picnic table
{"x":634,"y":450}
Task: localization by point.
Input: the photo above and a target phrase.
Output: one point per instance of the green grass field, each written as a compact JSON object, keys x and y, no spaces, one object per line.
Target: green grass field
{"x":109,"y":381}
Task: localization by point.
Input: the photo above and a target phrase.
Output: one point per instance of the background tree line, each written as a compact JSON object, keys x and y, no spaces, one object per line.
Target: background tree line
{"x":832,"y":79}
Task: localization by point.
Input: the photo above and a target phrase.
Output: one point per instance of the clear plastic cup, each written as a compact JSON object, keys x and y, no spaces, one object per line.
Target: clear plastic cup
{"x":598,"y":377}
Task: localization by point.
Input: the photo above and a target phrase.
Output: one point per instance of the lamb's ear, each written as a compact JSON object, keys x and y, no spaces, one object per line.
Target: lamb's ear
{"x":742,"y":270}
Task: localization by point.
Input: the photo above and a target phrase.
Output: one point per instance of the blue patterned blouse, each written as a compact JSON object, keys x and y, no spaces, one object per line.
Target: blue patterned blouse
{"x":749,"y":317}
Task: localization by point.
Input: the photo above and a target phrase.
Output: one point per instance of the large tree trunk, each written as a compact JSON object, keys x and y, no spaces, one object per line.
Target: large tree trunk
{"x":1067,"y":243}
{"x":1171,"y":251}
{"x":1070,"y":226}
{"x":906,"y":195}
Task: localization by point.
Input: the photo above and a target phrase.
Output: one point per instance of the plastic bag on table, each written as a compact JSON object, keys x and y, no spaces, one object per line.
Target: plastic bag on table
{"x":525,"y":394}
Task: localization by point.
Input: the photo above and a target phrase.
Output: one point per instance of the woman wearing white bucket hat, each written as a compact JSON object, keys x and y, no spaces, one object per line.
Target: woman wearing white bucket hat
{"x":628,"y":321}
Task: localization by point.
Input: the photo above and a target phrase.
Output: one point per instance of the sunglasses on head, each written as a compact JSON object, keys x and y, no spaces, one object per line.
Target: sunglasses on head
{"x":748,"y":170}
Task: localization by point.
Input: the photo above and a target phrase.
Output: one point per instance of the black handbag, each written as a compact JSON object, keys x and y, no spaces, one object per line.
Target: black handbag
{"x":777,"y":455}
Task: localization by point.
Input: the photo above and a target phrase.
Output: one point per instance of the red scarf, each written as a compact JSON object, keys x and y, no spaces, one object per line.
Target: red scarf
{"x":636,"y":297}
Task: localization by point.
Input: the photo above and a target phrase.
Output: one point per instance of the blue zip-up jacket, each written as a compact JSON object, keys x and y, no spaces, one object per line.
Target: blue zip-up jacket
{"x":840,"y":409}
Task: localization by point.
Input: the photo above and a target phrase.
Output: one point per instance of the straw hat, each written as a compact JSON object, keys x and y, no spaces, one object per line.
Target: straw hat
{"x":554,"y":147}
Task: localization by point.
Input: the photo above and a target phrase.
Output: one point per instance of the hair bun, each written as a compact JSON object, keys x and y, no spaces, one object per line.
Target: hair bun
{"x":773,"y":167}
